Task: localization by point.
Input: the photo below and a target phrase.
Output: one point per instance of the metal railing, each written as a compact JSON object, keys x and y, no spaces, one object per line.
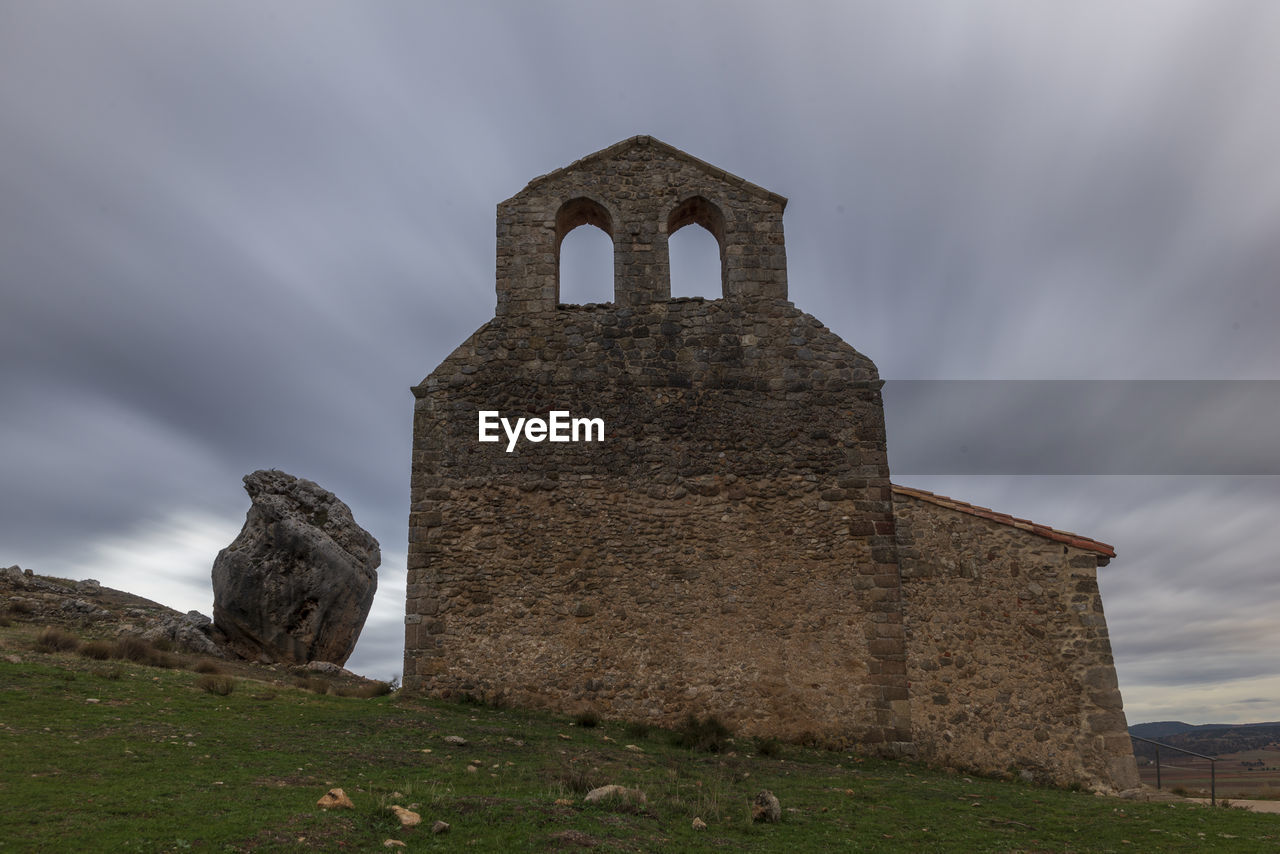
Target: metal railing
{"x":1213,"y":765}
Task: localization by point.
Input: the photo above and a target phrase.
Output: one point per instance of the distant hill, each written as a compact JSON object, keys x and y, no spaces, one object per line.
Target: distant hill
{"x":1160,"y":729}
{"x":1209,"y":739}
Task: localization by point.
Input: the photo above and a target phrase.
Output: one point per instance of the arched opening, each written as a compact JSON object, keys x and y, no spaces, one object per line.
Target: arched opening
{"x":584,"y":256}
{"x":696,"y":254}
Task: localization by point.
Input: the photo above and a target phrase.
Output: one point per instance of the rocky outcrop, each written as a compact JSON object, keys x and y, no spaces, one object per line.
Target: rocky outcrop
{"x":104,"y":612}
{"x":191,"y":631}
{"x":297,"y":583}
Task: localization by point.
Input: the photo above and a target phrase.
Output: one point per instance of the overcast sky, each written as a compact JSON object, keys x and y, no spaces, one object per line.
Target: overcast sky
{"x":233,"y":234}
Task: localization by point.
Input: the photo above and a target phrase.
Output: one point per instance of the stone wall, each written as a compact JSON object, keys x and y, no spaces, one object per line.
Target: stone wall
{"x":1009,"y":661}
{"x":639,"y":192}
{"x":726,"y":550}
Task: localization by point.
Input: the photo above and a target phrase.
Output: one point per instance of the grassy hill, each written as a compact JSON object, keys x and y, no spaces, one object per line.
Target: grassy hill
{"x":1211,"y":739}
{"x":1160,"y":729}
{"x":105,"y":755}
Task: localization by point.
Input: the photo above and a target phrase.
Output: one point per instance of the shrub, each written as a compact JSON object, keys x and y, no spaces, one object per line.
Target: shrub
{"x":497,"y":700}
{"x":134,"y":649}
{"x":140,"y":651}
{"x":638,"y":729}
{"x":708,"y":734}
{"x":365,"y":690}
{"x":219,"y":684}
{"x":98,"y":650}
{"x":5,"y":622}
{"x":54,"y":639}
{"x":587,"y":718}
{"x":376,"y":688}
{"x":769,"y":747}
{"x":204,"y":665}
{"x":163,"y":659}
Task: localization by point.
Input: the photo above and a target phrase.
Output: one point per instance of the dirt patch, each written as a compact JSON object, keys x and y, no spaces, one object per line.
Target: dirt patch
{"x":467,"y":806}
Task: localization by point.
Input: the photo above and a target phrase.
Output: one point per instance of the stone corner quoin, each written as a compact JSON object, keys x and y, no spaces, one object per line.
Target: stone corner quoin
{"x":733,"y":545}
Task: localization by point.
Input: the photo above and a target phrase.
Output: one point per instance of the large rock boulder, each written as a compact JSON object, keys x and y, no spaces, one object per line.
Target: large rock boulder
{"x":296,"y":585}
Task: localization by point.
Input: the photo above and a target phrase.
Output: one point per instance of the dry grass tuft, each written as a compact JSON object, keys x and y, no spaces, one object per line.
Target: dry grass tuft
{"x":134,"y":649}
{"x":113,"y":672}
{"x":637,"y":729}
{"x":219,"y":684}
{"x":709,"y":734}
{"x":575,"y":779}
{"x":369,"y":690}
{"x":163,"y":659}
{"x":314,"y":684}
{"x":587,"y":718}
{"x":54,"y":639}
{"x":768,"y":746}
{"x":99,"y":650}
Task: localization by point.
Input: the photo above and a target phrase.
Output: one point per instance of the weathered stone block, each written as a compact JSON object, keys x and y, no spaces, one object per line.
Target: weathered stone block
{"x":298,"y":581}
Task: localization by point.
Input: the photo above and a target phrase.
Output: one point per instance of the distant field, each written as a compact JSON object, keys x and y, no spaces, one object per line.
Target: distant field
{"x":1234,"y":780}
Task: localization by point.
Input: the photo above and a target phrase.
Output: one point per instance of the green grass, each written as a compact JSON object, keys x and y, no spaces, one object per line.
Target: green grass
{"x":149,"y":761}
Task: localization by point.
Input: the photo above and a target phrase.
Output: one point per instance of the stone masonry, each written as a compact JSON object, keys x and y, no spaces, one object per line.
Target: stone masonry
{"x":1008,"y":654}
{"x":730,"y":547}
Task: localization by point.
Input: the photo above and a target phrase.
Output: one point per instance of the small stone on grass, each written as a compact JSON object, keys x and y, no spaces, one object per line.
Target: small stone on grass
{"x":408,"y":818}
{"x":335,"y":799}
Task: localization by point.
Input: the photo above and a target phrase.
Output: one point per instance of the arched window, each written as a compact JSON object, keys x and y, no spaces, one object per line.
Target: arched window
{"x":584,"y":256}
{"x":696,"y":254}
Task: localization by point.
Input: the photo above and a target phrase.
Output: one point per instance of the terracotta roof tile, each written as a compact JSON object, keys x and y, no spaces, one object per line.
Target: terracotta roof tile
{"x":1105,"y":551}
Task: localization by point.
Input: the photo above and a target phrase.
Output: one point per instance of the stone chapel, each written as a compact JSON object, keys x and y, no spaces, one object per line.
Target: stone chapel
{"x":732,"y":543}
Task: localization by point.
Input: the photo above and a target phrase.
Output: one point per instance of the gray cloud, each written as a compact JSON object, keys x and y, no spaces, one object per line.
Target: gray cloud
{"x":232,"y":235}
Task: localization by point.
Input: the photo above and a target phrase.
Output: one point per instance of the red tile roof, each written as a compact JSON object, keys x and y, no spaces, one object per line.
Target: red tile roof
{"x":1105,"y":551}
